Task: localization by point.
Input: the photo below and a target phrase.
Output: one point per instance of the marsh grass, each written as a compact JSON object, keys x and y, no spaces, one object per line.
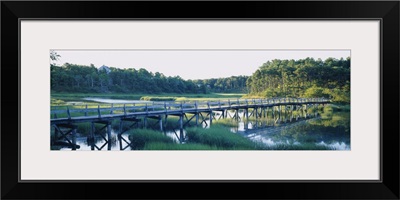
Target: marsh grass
{"x":228,"y":122}
{"x":304,"y":146}
{"x":220,"y":137}
{"x":140,"y":137}
{"x":170,"y":146}
{"x":85,"y":128}
{"x":148,"y":98}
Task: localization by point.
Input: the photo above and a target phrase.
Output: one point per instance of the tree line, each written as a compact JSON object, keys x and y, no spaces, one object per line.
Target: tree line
{"x":233,"y":84}
{"x":277,"y":78}
{"x":302,"y":78}
{"x":81,"y":78}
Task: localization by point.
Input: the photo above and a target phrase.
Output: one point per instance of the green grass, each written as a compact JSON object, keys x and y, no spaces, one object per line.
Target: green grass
{"x":140,"y":137}
{"x":220,"y":137}
{"x":171,"y":146}
{"x":228,"y":122}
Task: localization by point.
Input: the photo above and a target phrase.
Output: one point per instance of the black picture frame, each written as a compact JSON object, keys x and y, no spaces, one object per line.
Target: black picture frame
{"x":386,"y":11}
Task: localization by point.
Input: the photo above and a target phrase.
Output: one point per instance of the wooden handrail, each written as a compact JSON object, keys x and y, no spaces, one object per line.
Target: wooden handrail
{"x":167,"y":106}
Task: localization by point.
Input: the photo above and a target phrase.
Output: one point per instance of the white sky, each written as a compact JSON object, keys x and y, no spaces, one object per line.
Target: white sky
{"x":191,"y":64}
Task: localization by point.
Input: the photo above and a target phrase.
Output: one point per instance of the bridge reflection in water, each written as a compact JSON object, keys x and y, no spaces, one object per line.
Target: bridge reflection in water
{"x":129,"y":115}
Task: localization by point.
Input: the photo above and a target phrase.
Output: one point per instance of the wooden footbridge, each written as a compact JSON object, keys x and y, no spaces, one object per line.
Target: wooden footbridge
{"x":281,"y":110}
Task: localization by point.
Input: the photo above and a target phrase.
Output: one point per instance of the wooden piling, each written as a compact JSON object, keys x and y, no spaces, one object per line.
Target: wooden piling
{"x":279,"y":113}
{"x":92,"y":135}
{"x":181,"y":136}
{"x":109,"y":135}
{"x":160,"y":123}
{"x":273,"y":113}
{"x":165,"y":121}
{"x":56,"y":133}
{"x":306,"y":110}
{"x":291,"y":112}
{"x":74,"y":138}
{"x":236,"y":114}
{"x":211,"y":117}
{"x":120,"y":134}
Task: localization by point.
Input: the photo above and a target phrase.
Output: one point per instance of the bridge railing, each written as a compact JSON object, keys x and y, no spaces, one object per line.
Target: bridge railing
{"x":173,"y":106}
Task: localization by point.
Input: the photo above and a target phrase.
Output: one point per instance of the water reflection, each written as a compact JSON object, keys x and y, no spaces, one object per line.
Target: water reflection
{"x":85,"y":144}
{"x":331,"y":130}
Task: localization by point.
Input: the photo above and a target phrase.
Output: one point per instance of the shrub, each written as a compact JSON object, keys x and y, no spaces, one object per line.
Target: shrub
{"x":316,"y":92}
{"x":147,"y":98}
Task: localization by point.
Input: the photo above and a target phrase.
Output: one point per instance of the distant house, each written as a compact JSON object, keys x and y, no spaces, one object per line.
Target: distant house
{"x":107,"y":69}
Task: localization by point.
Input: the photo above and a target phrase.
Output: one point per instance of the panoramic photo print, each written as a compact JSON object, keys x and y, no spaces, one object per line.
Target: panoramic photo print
{"x":259,"y":100}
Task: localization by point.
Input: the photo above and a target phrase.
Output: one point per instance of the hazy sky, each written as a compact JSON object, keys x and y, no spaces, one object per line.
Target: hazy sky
{"x":191,"y":64}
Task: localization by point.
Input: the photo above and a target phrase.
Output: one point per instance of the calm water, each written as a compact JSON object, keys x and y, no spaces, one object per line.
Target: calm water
{"x":101,"y":100}
{"x":330,"y":129}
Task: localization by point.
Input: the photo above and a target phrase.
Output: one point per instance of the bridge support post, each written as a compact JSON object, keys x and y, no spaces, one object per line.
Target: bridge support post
{"x":291,"y":113}
{"x":74,"y":138}
{"x":197,"y":118}
{"x":181,"y":136}
{"x":160,"y":123}
{"x":299,"y":112}
{"x":56,"y":134}
{"x":165,"y":121}
{"x":134,"y":122}
{"x":145,"y":122}
{"x":236,"y":114}
{"x":211,"y":117}
{"x":263,"y":112}
{"x":306,"y":110}
{"x":91,"y":139}
{"x":286,"y":113}
{"x":109,"y":135}
{"x":279,"y":113}
{"x":273,"y":113}
{"x":120,"y":135}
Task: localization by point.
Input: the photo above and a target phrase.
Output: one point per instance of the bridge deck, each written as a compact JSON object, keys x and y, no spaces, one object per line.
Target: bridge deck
{"x":173,"y":108}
